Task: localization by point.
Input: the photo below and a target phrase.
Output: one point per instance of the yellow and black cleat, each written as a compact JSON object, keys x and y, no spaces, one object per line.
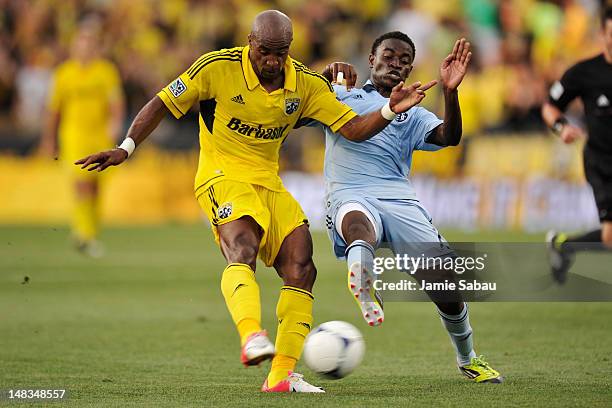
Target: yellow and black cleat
{"x":480,"y":371}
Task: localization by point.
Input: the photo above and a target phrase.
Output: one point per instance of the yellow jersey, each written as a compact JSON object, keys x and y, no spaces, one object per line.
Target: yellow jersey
{"x":242,"y":126}
{"x":82,"y":95}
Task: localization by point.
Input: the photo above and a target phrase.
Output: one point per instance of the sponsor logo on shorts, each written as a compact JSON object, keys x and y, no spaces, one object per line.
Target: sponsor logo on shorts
{"x":177,"y":87}
{"x":258,"y":131}
{"x":224,"y":211}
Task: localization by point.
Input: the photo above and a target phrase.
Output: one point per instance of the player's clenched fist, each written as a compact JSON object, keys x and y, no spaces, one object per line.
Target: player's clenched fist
{"x":102,"y":160}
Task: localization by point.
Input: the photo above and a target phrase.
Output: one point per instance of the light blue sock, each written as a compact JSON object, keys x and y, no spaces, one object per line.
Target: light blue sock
{"x":460,"y":332}
{"x":360,"y":251}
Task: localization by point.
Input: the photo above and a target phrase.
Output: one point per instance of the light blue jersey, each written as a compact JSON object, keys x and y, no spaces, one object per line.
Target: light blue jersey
{"x":372,"y":177}
{"x":379,"y":166}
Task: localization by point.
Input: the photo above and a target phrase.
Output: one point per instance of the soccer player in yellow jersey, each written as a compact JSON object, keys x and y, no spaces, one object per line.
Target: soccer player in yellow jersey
{"x":250,"y":98}
{"x":85,"y":109}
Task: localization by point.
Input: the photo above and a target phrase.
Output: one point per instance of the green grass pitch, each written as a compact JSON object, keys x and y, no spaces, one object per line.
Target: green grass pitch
{"x":147,"y":326}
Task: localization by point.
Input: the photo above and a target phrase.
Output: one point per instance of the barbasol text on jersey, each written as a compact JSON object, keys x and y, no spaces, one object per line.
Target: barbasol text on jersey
{"x":257,"y":131}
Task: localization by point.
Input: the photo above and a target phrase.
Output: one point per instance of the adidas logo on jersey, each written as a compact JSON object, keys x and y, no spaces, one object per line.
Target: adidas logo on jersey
{"x":238,"y":99}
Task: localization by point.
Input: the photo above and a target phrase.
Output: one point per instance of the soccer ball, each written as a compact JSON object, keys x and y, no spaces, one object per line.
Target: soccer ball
{"x":334,"y":349}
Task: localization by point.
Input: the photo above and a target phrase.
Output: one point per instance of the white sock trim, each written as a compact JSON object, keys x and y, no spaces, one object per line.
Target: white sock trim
{"x":347,"y":208}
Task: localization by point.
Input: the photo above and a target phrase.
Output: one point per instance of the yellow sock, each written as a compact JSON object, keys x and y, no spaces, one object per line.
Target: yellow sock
{"x":294,"y":312}
{"x":241,"y":293}
{"x":281,"y":365}
{"x":85,"y":218}
{"x":246,"y":327}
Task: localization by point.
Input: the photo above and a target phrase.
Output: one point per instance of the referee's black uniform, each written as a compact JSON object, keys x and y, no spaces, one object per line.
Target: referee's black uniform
{"x":591,"y":81}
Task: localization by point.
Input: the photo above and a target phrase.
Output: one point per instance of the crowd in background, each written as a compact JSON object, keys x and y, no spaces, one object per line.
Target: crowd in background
{"x":520,"y":47}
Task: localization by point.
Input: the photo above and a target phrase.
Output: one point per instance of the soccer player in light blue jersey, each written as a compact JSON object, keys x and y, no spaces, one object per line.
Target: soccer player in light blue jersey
{"x":370,"y":199}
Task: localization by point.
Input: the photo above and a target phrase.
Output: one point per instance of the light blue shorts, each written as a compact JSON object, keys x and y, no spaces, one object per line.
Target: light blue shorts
{"x":402,"y":225}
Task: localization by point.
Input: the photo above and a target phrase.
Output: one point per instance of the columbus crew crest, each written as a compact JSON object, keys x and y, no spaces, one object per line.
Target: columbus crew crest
{"x":224,"y":211}
{"x":291,"y":105}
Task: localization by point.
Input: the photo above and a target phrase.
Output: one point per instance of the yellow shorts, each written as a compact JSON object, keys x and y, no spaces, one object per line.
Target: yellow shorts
{"x":73,"y":147}
{"x":276,"y":212}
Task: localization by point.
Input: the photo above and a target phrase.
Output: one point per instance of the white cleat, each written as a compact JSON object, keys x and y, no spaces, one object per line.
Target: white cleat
{"x":293,"y":383}
{"x":91,"y":248}
{"x":360,"y":284}
{"x":257,"y":348}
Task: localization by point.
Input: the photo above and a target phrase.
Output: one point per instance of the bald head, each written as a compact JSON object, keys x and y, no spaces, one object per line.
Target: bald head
{"x":272,"y":27}
{"x":269,"y":43}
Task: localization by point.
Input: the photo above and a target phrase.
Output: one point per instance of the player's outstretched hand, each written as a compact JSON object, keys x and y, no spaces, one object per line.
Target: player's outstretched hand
{"x":102,"y":160}
{"x":454,"y":66}
{"x":403,"y":98}
{"x":570,"y":133}
{"x":348,"y":73}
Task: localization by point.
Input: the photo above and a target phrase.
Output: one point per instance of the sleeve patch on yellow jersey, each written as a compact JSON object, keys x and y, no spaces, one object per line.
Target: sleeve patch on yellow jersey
{"x":177,"y":87}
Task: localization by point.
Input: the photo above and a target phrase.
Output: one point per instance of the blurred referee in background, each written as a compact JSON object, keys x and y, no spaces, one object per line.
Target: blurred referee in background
{"x":591,"y":81}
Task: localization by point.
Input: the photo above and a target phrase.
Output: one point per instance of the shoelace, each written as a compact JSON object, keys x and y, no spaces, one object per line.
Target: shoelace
{"x":259,"y":336}
{"x":480,"y":361}
{"x":296,"y":376}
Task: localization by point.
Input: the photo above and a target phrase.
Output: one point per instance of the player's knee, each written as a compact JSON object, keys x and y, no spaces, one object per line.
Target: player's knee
{"x":362,"y":231}
{"x":300,"y":274}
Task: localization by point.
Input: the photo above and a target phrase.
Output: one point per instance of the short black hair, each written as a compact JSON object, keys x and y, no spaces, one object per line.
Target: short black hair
{"x":606,"y":15}
{"x":397,"y":35}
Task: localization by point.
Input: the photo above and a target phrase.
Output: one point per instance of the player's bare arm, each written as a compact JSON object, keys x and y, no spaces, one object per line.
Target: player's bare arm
{"x":554,"y":119}
{"x":48,"y":144}
{"x":402,"y":98}
{"x":452,"y":71}
{"x":117,"y":114}
{"x":143,"y":125}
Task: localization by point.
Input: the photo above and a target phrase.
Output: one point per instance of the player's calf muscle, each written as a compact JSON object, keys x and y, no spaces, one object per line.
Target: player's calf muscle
{"x":299,"y":274}
{"x":606,"y":234}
